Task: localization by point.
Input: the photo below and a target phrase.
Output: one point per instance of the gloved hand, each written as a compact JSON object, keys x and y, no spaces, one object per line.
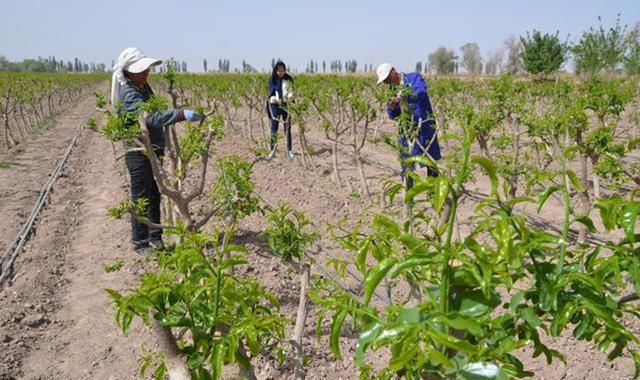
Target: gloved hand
{"x":274,"y":100}
{"x":191,"y":115}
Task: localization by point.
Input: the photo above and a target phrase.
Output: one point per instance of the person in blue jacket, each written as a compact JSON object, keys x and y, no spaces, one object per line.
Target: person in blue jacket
{"x":129,"y":88}
{"x":280,"y":93}
{"x":420,"y":131}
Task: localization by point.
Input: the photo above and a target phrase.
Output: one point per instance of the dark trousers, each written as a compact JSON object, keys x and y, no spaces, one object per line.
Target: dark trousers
{"x":276,"y":113}
{"x":143,"y":186}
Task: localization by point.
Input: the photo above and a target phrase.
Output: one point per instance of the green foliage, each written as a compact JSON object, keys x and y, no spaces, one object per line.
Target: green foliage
{"x":455,"y":323}
{"x":139,"y":208}
{"x":92,"y":124}
{"x":286,"y":233}
{"x":121,"y":127}
{"x":101,"y":103}
{"x":116,"y":266}
{"x":543,"y":54}
{"x":471,"y":58}
{"x":442,"y":61}
{"x":632,"y":58}
{"x":194,"y":288}
{"x":194,"y":141}
{"x":607,"y":97}
{"x":233,"y":193}
{"x":600,"y":49}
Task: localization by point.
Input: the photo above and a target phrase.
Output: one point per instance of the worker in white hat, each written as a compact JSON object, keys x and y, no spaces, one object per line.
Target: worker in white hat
{"x":419,"y":136}
{"x":129,"y":88}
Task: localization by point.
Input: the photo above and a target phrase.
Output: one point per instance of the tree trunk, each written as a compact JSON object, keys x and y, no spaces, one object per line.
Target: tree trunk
{"x":483,"y":141}
{"x":8,"y":138}
{"x":334,"y":154}
{"x":174,"y":360}
{"x":303,"y":310}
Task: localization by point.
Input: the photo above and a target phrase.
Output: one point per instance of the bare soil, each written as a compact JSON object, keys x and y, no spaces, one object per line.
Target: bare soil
{"x":55,"y":318}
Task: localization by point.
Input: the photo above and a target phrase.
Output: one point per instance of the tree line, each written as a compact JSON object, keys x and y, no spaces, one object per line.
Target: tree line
{"x":614,"y":50}
{"x":50,"y":65}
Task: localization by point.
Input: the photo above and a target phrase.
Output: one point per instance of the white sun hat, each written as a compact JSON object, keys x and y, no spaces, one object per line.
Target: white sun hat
{"x":134,"y":61}
{"x":383,"y":72}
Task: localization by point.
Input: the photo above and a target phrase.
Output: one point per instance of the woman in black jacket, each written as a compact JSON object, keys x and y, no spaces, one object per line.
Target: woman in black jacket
{"x":280,"y":94}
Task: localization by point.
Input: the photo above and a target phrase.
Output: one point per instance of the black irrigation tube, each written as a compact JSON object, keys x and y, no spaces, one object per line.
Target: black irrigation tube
{"x":16,"y":246}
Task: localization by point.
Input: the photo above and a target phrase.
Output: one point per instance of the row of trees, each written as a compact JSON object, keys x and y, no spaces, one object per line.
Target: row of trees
{"x":336,"y":66}
{"x":615,"y":49}
{"x":50,"y":65}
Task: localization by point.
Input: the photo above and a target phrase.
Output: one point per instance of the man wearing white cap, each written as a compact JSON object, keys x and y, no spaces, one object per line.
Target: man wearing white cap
{"x":420,"y":131}
{"x":129,"y":88}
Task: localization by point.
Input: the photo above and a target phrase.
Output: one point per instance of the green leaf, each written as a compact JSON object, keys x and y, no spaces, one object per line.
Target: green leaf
{"x":412,"y":262}
{"x":529,"y":315}
{"x":490,"y":168}
{"x":568,"y":151}
{"x":441,"y":192}
{"x":634,"y":270}
{"x":628,"y":220}
{"x":375,"y":275}
{"x":217,"y":359}
{"x":515,"y":300}
{"x":474,"y":303}
{"x":636,"y":363}
{"x":367,"y":336}
{"x":439,"y":357}
{"x":195,"y":360}
{"x":545,"y":196}
{"x":460,"y":322}
{"x":481,"y":371}
{"x":418,"y":188}
{"x":585,"y":220}
{"x":452,"y":342}
{"x":411,"y":315}
{"x":336,"y":330}
{"x":380,"y":221}
{"x":574,"y":181}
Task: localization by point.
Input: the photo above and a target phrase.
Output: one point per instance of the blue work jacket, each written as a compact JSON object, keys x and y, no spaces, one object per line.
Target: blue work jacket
{"x":422,"y":117}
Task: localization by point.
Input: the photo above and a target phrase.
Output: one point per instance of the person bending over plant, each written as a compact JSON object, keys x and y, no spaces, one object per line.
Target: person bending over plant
{"x":411,"y":107}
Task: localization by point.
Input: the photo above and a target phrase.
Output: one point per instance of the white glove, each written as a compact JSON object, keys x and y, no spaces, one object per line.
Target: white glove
{"x":274,"y":100}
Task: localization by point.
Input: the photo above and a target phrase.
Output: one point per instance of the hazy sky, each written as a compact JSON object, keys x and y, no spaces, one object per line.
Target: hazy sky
{"x":373,"y":31}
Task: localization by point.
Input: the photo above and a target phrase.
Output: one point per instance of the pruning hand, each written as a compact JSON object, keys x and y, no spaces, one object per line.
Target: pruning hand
{"x":393,"y":103}
{"x":192,"y":115}
{"x":274,"y":100}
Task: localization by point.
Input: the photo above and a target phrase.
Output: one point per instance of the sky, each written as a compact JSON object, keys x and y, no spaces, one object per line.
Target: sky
{"x":372,"y":32}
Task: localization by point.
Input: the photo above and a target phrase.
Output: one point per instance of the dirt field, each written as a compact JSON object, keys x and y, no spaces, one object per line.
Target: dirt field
{"x":55,"y":318}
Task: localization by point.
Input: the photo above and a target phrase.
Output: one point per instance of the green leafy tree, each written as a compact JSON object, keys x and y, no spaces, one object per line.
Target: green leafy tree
{"x":442,"y":61}
{"x":632,"y":58}
{"x":600,"y":49}
{"x":543,"y":54}
{"x":471,"y":58}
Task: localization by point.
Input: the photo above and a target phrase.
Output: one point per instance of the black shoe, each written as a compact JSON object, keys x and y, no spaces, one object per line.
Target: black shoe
{"x":157,"y":244}
{"x":143,"y":251}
